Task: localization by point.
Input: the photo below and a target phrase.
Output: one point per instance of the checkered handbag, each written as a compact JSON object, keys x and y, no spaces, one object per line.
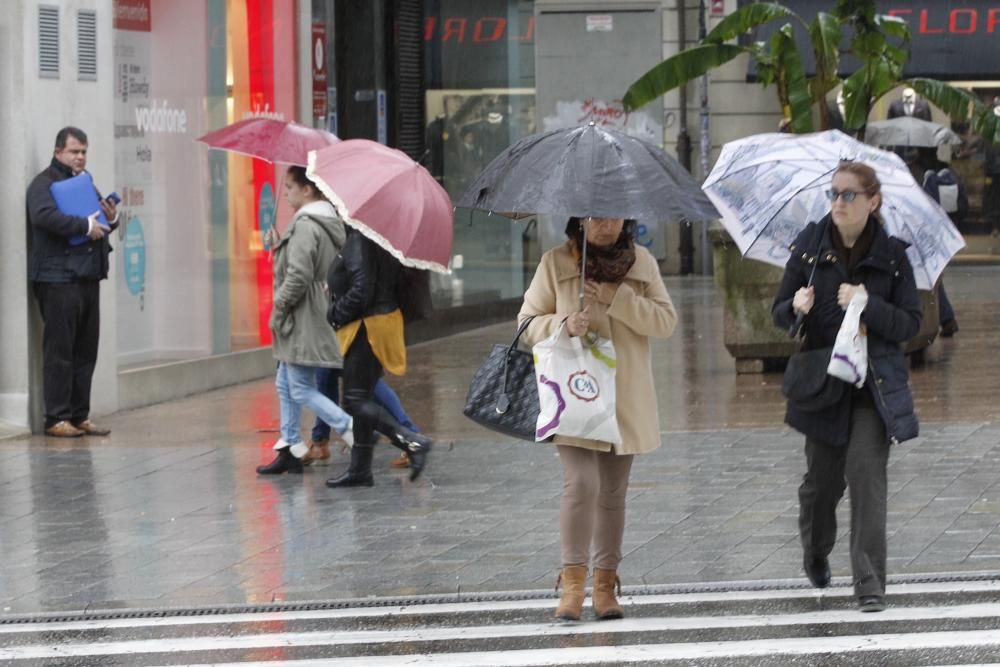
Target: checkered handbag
{"x":503,"y":395}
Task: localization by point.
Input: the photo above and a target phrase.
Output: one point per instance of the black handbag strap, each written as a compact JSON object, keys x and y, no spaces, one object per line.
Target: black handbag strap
{"x":503,"y":403}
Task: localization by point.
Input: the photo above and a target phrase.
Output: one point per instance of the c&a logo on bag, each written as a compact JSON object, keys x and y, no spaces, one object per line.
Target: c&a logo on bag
{"x":584,"y":386}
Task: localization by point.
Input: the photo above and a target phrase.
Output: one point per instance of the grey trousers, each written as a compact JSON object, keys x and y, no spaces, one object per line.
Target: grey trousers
{"x":863,"y":464}
{"x":592,"y":508}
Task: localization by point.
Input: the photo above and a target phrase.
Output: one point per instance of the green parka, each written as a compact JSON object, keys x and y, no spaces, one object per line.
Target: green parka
{"x":302,"y":258}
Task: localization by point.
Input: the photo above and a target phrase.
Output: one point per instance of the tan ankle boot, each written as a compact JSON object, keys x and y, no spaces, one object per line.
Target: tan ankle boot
{"x":572,"y":578}
{"x":319,"y":453}
{"x":605,"y":604}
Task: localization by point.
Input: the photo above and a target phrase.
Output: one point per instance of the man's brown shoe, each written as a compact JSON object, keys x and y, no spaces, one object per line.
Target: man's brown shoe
{"x":90,"y":428}
{"x":401,"y":461}
{"x":318,"y":454}
{"x":63,"y":429}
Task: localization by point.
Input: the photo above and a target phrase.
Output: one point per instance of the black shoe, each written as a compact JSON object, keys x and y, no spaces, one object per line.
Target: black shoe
{"x":349,"y":478}
{"x":818,"y":571}
{"x":869,"y":603}
{"x":285,"y":461}
{"x":417,"y":446}
{"x":360,"y":471}
{"x":949,"y":328}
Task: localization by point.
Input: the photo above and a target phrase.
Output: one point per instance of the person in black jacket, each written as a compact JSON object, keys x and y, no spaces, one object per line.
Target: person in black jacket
{"x":852,"y":254}
{"x":364,"y":309}
{"x":66,"y":279}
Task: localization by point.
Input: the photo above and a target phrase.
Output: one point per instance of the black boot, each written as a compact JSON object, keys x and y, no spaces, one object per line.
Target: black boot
{"x":360,"y":471}
{"x":417,"y":446}
{"x":285,"y":461}
{"x":414,"y":444}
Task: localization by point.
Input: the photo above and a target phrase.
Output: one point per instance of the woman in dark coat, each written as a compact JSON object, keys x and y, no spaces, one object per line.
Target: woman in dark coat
{"x":364,"y":310}
{"x":852,"y":254}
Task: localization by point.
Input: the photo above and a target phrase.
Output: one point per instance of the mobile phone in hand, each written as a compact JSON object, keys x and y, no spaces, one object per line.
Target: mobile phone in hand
{"x":113,"y":199}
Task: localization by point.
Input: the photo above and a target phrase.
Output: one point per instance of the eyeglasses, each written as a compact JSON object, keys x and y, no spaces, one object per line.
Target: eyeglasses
{"x":847,"y":195}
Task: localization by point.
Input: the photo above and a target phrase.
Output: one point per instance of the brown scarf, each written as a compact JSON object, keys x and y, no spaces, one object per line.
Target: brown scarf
{"x":606,"y":264}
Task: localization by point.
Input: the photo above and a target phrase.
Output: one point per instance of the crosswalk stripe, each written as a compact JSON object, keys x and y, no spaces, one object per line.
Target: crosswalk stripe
{"x":618,"y":655}
{"x":483,"y":607}
{"x":493,"y":632}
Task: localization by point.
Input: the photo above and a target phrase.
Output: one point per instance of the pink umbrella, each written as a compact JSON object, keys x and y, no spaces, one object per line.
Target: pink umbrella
{"x":389,"y":198}
{"x":269,"y":139}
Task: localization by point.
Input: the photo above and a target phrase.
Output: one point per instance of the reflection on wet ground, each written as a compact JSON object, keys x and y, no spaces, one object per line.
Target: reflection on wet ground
{"x":167,"y":510}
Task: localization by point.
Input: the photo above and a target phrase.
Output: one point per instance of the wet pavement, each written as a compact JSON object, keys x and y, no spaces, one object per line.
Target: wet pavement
{"x":167,"y":511}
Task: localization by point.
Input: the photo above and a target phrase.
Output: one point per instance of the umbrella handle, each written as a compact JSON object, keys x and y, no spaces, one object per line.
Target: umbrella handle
{"x":793,"y":331}
{"x":583,"y":262}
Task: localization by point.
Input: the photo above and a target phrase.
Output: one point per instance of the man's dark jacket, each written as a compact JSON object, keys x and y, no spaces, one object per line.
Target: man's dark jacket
{"x":53,"y":259}
{"x":363,"y":281}
{"x":892,"y":317}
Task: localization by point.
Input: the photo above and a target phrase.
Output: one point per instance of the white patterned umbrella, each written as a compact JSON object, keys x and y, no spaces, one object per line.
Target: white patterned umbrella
{"x":768,"y":187}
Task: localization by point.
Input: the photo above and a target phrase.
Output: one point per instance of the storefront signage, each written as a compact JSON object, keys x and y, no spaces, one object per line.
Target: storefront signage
{"x":134,"y":256}
{"x":319,"y":70}
{"x":600,"y":22}
{"x":476,"y":30}
{"x":949,"y":40}
{"x":383,"y":118}
{"x":479,"y":44}
{"x":133,"y":15}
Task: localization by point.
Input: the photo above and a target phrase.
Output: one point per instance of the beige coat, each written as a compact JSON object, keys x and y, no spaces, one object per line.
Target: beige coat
{"x":640,"y":308}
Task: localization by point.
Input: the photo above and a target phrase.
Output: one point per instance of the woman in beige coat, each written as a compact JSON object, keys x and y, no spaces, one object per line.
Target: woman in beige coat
{"x":625,"y":300}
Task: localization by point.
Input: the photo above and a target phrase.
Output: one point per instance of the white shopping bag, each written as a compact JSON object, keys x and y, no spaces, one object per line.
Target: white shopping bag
{"x":576,"y":387}
{"x":849,"y":361}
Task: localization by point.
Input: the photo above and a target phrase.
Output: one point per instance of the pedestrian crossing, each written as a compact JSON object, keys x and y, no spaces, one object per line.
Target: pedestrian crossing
{"x":926,"y":624}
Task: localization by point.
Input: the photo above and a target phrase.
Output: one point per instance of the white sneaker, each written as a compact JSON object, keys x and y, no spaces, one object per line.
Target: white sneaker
{"x":348,"y":435}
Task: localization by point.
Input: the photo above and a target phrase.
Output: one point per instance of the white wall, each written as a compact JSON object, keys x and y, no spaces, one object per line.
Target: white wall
{"x":32,"y":110}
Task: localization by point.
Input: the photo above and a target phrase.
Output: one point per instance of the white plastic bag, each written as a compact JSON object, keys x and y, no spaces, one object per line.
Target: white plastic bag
{"x":849,"y":361}
{"x":576,"y":387}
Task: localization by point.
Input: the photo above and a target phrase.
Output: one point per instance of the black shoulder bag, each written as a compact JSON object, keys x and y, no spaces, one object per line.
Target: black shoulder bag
{"x":503,"y":395}
{"x":807,"y":385}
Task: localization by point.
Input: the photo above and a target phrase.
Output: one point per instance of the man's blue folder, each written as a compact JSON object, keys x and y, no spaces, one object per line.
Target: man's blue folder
{"x":78,"y":196}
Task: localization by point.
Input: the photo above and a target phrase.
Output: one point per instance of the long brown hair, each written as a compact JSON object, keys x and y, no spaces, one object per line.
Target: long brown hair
{"x":605,"y":264}
{"x":867,"y":177}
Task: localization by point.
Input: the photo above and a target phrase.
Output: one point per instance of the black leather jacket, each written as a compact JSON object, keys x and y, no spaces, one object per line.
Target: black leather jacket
{"x":53,"y":259}
{"x":362,"y":281}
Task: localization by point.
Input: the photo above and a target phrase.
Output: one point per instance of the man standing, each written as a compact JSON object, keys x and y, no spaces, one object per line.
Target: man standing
{"x":66,"y":281}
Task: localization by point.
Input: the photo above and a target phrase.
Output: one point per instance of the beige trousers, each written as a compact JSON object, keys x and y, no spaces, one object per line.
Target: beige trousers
{"x":592,"y":509}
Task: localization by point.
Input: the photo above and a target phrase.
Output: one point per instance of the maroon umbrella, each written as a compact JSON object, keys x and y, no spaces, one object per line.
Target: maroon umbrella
{"x":389,"y":198}
{"x":269,"y":139}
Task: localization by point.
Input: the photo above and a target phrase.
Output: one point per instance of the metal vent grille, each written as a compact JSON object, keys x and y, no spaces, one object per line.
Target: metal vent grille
{"x":86,"y":45}
{"x":48,"y":42}
{"x":409,"y":93}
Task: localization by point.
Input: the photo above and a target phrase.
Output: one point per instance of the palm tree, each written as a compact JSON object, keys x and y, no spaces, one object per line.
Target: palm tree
{"x":880,"y":43}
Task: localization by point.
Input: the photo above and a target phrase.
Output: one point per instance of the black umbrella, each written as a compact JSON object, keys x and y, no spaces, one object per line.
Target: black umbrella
{"x":588,"y":171}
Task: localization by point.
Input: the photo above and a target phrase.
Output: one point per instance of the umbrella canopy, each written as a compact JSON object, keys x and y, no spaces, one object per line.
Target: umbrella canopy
{"x":909,"y":131}
{"x":769,"y":186}
{"x":271,"y":140}
{"x":389,"y":198}
{"x":588,"y":171}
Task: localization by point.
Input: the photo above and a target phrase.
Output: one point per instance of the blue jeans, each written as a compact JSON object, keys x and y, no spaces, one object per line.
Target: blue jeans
{"x":297,"y":388}
{"x":327,"y":381}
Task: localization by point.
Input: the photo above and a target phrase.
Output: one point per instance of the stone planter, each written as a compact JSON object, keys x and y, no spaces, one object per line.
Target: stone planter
{"x":748,"y":289}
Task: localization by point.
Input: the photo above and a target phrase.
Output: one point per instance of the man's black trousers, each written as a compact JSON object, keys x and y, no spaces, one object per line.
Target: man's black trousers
{"x":72,"y":316}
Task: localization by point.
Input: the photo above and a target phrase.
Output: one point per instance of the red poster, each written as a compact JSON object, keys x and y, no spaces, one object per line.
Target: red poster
{"x":319,"y":69}
{"x":133,"y":15}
